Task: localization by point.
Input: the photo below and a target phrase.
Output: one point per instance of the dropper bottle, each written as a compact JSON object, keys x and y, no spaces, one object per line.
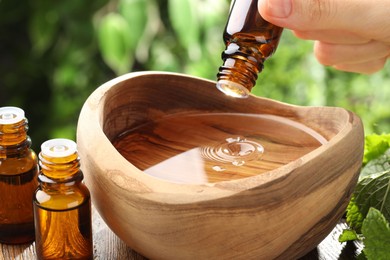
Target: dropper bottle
{"x":62,"y":204}
{"x":249,"y":40}
{"x":18,"y":178}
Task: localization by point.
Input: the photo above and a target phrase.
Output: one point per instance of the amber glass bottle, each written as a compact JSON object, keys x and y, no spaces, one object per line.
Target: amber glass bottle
{"x":249,"y":41}
{"x":18,"y":178}
{"x":62,"y":204}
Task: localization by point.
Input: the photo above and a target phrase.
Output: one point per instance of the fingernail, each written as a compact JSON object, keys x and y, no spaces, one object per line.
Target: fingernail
{"x":279,"y":8}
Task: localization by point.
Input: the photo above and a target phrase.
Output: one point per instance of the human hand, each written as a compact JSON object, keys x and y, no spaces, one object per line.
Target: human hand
{"x":351,"y":35}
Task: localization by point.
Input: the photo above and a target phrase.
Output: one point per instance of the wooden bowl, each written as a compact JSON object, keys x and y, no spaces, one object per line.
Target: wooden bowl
{"x":282,"y":213}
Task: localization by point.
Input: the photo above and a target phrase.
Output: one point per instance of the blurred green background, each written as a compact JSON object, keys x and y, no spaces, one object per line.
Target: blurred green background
{"x":53,"y":54}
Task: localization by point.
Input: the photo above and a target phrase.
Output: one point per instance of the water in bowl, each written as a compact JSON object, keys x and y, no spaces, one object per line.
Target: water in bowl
{"x":212,"y":147}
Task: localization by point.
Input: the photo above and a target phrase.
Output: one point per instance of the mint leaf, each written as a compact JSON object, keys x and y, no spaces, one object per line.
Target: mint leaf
{"x":376,"y":231}
{"x":372,"y":190}
{"x":376,"y":166}
{"x":368,"y":212}
{"x":374,"y":146}
{"x":348,"y":235}
{"x":354,"y":216}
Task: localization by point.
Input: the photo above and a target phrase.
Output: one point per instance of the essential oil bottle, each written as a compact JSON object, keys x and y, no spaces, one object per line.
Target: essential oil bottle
{"x":18,"y":178}
{"x":62,"y":204}
{"x":249,"y":41}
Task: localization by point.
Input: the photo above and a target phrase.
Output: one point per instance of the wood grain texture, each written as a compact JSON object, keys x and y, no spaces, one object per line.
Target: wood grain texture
{"x":107,"y":246}
{"x":281,"y":214}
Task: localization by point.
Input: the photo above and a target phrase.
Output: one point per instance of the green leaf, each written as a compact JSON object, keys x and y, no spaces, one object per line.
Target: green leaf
{"x":43,"y":28}
{"x":376,"y":231}
{"x":65,"y":75}
{"x":348,"y":235}
{"x":214,"y":15}
{"x":162,"y":57}
{"x":374,"y":192}
{"x":375,"y":145}
{"x":376,"y":166}
{"x":115,"y":42}
{"x":135,"y":14}
{"x":184,"y":18}
{"x":373,"y":188}
{"x":354,"y":215}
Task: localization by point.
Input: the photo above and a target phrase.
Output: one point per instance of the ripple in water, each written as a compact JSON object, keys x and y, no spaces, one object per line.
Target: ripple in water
{"x":236,"y":151}
{"x":215,"y":147}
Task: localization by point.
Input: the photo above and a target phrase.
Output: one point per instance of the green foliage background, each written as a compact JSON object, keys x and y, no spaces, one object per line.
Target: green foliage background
{"x":53,"y":54}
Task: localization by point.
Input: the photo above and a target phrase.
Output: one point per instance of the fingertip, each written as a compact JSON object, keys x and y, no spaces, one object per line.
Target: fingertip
{"x":262,"y":6}
{"x":367,"y":68}
{"x":302,"y":35}
{"x":323,"y":53}
{"x":275,"y":11}
{"x":278,"y":8}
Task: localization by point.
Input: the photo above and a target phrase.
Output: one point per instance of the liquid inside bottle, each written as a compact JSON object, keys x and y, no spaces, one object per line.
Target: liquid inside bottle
{"x":249,"y":40}
{"x":18,"y":178}
{"x":62,"y":204}
{"x":213,"y":147}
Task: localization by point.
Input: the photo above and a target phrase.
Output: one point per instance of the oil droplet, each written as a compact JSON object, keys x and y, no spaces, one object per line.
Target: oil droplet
{"x":238,"y":163}
{"x":218,"y":168}
{"x":235,"y":151}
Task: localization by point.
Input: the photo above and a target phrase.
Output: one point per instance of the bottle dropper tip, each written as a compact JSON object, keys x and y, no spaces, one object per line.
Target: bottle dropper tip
{"x":232,"y":89}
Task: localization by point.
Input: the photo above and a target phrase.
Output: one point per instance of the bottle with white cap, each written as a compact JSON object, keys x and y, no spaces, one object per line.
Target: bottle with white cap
{"x":18,"y":178}
{"x":62,"y":204}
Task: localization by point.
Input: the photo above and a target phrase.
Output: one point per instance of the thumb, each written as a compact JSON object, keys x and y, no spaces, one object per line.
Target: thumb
{"x":367,"y":18}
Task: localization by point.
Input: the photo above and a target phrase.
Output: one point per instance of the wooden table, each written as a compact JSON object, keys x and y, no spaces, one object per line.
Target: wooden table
{"x":107,"y":246}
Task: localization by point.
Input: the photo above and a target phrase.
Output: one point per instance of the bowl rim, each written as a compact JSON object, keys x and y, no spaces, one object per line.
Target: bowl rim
{"x":143,"y":183}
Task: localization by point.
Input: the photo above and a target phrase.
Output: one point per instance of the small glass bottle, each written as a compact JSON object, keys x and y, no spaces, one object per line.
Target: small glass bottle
{"x":249,"y":41}
{"x":62,"y":204}
{"x":18,"y":178}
